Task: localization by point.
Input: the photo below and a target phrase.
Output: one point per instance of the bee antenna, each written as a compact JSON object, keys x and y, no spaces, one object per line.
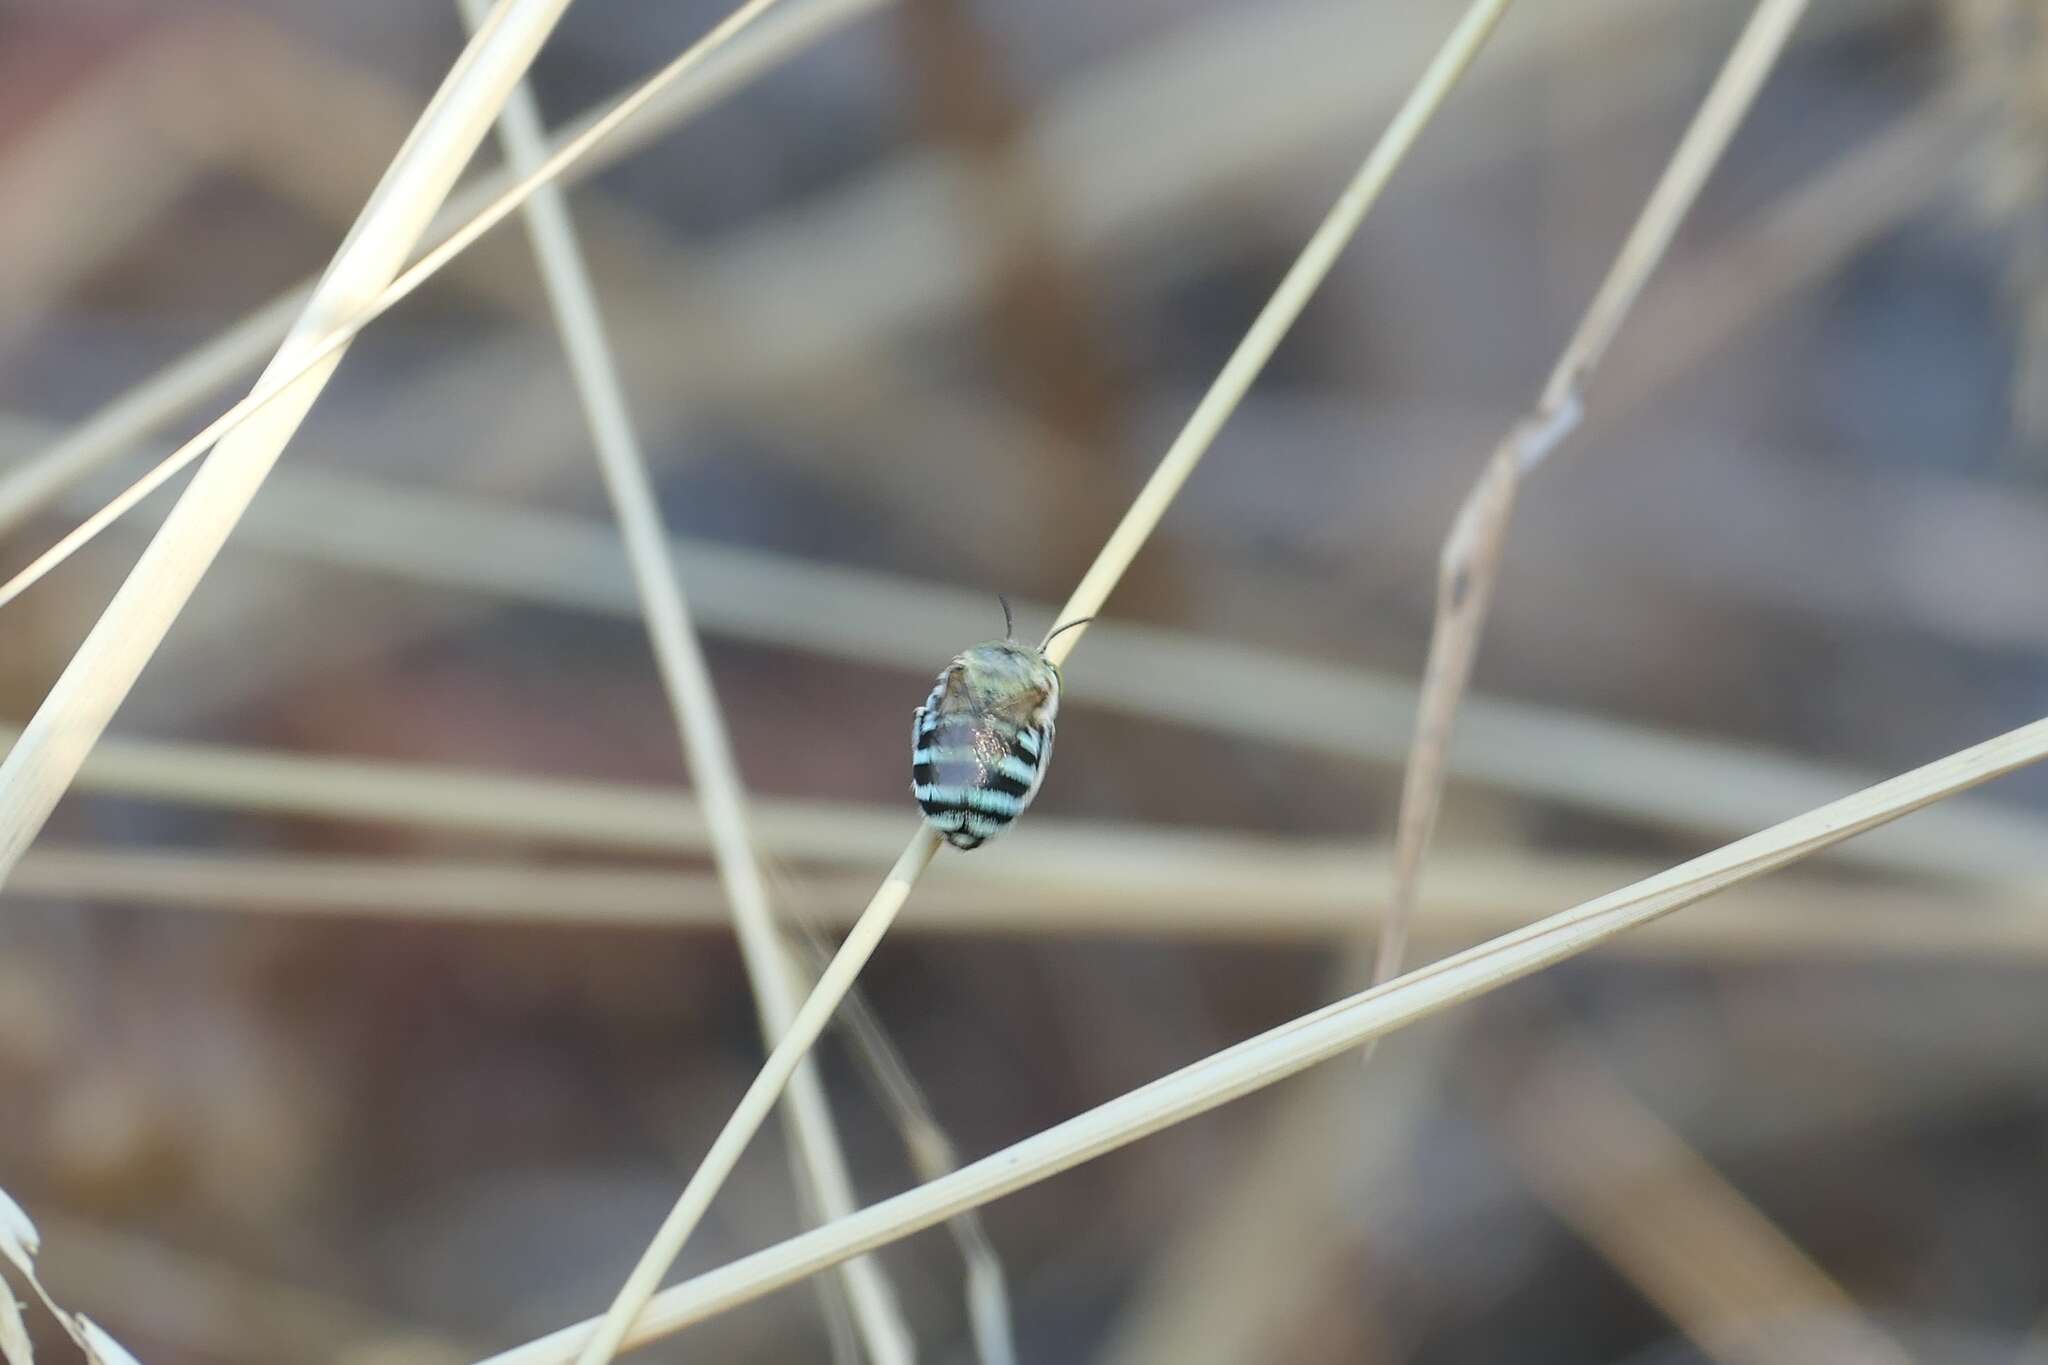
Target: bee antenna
{"x":1009,"y":630}
{"x":1060,"y":630}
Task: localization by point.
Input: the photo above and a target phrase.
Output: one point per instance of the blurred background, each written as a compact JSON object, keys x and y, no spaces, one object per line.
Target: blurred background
{"x":369,"y":998}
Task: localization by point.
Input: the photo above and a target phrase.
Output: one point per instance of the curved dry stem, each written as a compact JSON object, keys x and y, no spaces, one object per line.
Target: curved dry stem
{"x":1124,"y":543}
{"x":1465,"y":577}
{"x":1329,"y":1032}
{"x":1470,"y":562}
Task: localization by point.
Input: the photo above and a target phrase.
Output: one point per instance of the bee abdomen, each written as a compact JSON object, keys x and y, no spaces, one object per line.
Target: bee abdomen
{"x":967,"y":797}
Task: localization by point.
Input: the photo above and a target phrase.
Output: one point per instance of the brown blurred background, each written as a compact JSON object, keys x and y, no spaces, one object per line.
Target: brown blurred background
{"x":905,"y":323}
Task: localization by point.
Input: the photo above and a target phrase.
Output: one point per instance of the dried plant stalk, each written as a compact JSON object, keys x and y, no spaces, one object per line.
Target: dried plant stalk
{"x":32,"y":482}
{"x":833,"y":984}
{"x":1633,"y":772}
{"x":1229,"y":1285}
{"x":930,"y":1150}
{"x":1807,"y":232}
{"x":727,"y":67}
{"x":103,"y":670}
{"x":20,"y":1243}
{"x":693,"y":703}
{"x":1299,"y":894}
{"x":42,"y":763}
{"x":1470,"y":561}
{"x":319,"y":349}
{"x":1124,"y":543}
{"x":1329,"y":1032}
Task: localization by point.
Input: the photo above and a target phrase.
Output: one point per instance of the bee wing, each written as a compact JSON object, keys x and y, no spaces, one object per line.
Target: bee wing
{"x":958,"y":734}
{"x":965,"y":750}
{"x":938,"y":715}
{"x":945,"y":696}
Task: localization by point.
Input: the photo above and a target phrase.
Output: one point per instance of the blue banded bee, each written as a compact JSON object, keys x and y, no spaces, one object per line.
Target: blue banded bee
{"x":981,"y":741}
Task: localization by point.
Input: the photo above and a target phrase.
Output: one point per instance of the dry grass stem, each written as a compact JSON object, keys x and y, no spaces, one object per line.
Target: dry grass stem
{"x":502,"y":805}
{"x":1749,"y":62}
{"x":1274,"y":321}
{"x":1631,"y":772}
{"x":1811,"y":230}
{"x":1470,"y":560}
{"x":15,"y":1348}
{"x":20,"y":1244}
{"x":1673,"y":1226}
{"x":1283,"y":894}
{"x":46,"y":757}
{"x":727,"y":68}
{"x":1985,"y":845}
{"x":802,"y":324}
{"x":1229,"y":1285}
{"x":1328,"y":1032}
{"x":33,"y":482}
{"x":760,"y":1097}
{"x":930,"y":1151}
{"x":693,"y":703}
{"x":1090,"y":136}
{"x":317,"y":351}
{"x":1124,"y":543}
{"x":1094,"y":148}
{"x":1815,"y":227}
{"x":1097,"y":145}
{"x":101,"y":1349}
{"x":2001,"y":59}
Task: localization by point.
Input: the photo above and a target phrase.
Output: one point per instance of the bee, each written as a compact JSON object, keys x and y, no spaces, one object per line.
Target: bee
{"x":980,"y":744}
